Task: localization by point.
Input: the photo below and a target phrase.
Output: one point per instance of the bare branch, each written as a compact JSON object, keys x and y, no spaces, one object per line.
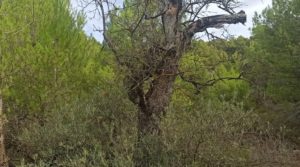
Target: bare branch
{"x":147,"y":17}
{"x":215,"y":22}
{"x":199,"y":85}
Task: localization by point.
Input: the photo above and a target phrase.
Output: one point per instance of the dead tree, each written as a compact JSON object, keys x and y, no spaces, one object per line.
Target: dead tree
{"x":149,"y":43}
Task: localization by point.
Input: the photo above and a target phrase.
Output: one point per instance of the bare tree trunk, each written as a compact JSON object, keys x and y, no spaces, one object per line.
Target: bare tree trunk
{"x":3,"y":157}
{"x":152,"y":104}
{"x":152,"y":107}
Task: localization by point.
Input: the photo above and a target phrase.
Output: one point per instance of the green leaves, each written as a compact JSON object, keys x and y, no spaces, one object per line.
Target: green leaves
{"x":276,"y":42}
{"x":46,"y":59}
{"x":207,"y":62}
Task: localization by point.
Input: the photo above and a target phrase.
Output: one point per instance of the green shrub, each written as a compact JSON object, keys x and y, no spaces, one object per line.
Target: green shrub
{"x":221,"y":134}
{"x":99,"y":130}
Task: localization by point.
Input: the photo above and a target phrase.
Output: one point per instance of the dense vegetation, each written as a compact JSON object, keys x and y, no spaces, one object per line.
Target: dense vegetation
{"x":65,"y":102}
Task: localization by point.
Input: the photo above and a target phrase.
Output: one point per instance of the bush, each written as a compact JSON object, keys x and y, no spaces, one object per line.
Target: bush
{"x":95,"y":131}
{"x":222,"y":134}
{"x":101,"y":131}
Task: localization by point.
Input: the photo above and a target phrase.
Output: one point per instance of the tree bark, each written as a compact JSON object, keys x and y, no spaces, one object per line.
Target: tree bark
{"x":151,"y":110}
{"x":3,"y":157}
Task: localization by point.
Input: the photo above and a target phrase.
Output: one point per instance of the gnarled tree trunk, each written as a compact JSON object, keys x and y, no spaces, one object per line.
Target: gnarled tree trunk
{"x":178,"y":31}
{"x":3,"y":157}
{"x":151,"y":110}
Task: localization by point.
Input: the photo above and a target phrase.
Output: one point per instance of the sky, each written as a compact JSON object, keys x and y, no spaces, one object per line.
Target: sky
{"x":249,"y":6}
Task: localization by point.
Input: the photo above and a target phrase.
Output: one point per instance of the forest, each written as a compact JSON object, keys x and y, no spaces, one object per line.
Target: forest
{"x":159,"y":89}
